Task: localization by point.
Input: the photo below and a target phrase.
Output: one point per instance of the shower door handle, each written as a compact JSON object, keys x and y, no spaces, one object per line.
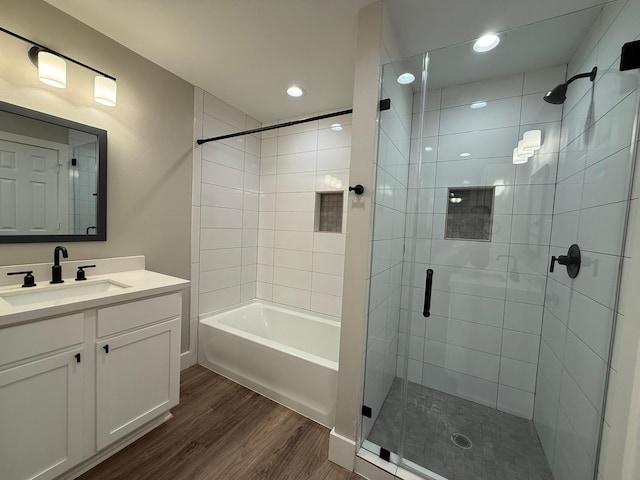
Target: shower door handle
{"x":427,"y":293}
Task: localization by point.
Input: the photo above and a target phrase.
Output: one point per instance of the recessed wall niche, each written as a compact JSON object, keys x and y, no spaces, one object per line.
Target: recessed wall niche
{"x":469,"y":213}
{"x":329,"y":212}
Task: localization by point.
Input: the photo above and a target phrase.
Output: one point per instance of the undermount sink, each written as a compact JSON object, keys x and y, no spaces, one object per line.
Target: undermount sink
{"x":60,"y":292}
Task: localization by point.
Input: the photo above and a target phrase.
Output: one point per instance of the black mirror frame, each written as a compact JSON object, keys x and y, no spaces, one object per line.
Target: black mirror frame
{"x":101,"y":211}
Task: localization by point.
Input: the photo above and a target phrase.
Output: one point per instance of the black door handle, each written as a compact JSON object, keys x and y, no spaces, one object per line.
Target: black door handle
{"x":106,"y":348}
{"x":427,"y":293}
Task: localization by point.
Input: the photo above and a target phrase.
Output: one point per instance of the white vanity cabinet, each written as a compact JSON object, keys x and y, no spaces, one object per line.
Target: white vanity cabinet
{"x":76,"y":388}
{"x":137,"y":372}
{"x":41,"y":397}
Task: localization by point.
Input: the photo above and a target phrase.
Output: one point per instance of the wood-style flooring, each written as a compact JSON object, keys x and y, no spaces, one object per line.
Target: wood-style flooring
{"x":222,"y":430}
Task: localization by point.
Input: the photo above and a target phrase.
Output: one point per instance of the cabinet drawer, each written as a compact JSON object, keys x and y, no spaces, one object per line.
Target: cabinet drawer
{"x":29,"y":340}
{"x":132,"y":315}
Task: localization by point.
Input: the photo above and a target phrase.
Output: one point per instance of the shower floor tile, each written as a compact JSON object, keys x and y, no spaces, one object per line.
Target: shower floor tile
{"x":504,"y":447}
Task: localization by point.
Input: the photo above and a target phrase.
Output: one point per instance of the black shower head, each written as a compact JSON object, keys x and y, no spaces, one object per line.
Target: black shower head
{"x":558,"y":94}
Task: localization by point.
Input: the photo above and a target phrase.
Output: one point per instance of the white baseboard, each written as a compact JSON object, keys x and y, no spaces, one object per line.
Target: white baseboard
{"x":342,"y":451}
{"x":187,"y":359}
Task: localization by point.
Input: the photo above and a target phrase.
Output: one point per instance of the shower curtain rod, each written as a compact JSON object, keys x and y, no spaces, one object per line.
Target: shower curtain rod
{"x":272,"y":127}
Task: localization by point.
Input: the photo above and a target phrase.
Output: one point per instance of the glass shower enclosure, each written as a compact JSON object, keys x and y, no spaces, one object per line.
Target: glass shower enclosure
{"x":487,"y":355}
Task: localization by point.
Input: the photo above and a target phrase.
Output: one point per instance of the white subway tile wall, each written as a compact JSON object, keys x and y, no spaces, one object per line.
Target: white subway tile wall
{"x":482,"y":339}
{"x":225,"y":211}
{"x":594,"y":172}
{"x":296,"y":265}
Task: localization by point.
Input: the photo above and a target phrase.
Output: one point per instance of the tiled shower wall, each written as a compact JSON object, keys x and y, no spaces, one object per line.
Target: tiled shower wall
{"x":298,"y":266}
{"x":481,"y":340}
{"x":225,"y":209}
{"x":594,"y":171}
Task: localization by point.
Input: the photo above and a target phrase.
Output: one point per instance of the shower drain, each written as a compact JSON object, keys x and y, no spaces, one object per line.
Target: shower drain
{"x":461,"y":441}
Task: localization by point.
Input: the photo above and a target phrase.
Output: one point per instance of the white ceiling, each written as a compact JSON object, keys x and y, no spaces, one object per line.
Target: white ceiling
{"x":247,"y":52}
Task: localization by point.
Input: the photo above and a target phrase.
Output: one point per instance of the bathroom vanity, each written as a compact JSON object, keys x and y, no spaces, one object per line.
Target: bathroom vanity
{"x":86,"y":368}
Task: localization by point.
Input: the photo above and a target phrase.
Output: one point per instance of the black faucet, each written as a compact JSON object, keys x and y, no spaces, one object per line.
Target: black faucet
{"x":56,"y":270}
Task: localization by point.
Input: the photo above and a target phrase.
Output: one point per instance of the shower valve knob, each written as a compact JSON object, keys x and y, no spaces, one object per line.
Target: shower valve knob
{"x":358,"y":189}
{"x":571,"y":260}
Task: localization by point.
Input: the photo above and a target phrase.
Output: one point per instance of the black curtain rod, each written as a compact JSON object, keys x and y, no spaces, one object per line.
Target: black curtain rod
{"x":272,"y":127}
{"x":47,"y":49}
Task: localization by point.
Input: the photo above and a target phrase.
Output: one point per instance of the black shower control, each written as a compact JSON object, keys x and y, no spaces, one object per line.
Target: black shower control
{"x":80,"y":275}
{"x":28,"y":281}
{"x":571,"y":260}
{"x":358,"y":189}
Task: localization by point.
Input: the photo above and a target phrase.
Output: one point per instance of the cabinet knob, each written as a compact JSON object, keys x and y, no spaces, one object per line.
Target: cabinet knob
{"x":106,"y":348}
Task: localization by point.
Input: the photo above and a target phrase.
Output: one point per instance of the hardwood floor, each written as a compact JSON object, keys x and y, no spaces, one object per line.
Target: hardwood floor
{"x":222,"y":430}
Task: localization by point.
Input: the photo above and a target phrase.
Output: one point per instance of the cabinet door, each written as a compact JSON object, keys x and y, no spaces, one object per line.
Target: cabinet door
{"x":137,"y":378}
{"x":41,"y":417}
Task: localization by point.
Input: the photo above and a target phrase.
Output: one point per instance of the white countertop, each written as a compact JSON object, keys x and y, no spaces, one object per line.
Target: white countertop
{"x":140,"y":284}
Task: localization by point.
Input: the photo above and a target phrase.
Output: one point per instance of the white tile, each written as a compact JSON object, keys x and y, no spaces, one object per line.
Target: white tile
{"x":598,"y":277}
{"x":520,"y":346}
{"x":328,"y":284}
{"x":269,"y":147}
{"x":341,"y":119}
{"x":211,"y":301}
{"x":265,"y":255}
{"x":465,"y":386}
{"x":268,"y":165}
{"x":222,"y":258}
{"x":222,"y":154}
{"x":602,"y":228}
{"x":292,"y":278}
{"x":195,"y":234}
{"x":531,"y":229}
{"x":292,"y":296}
{"x":223,"y":111}
{"x":332,"y":180}
{"x":550,"y":135}
{"x":292,"y":259}
{"x":251,"y":182}
{"x":295,"y":202}
{"x":515,"y":402}
{"x":249,"y":255}
{"x":485,"y":171}
{"x":494,"y":89}
{"x":294,"y":221}
{"x":290,"y":240}
{"x":532,"y":259}
{"x":268,"y":184}
{"x":216,"y":174}
{"x":523,"y":317}
{"x":212,"y":238}
{"x":554,"y":334}
{"x":465,"y":334}
{"x":249,"y":219}
{"x":494,"y":143}
{"x":249,"y":237}
{"x":488,"y":311}
{"x":329,"y":243}
{"x":252,"y":148}
{"x":334,"y":159}
{"x":497,"y":114}
{"x":217,"y":196}
{"x":251,"y":201}
{"x":264,"y":290}
{"x":247,"y":291}
{"x":535,"y":110}
{"x":328,"y":138}
{"x":543,"y":80}
{"x":592,"y":323}
{"x":298,"y":142}
{"x":533,"y":199}
{"x":264,"y":273}
{"x":216,"y":217}
{"x":266,"y":220}
{"x":248,"y":274}
{"x":296,"y":163}
{"x":540,"y":169}
{"x":483,"y":283}
{"x":296,"y":182}
{"x":586,"y":368}
{"x":462,"y":360}
{"x":607,"y":181}
{"x":328,"y":263}
{"x":460,"y":253}
{"x":327,"y":304}
{"x":517,"y":374}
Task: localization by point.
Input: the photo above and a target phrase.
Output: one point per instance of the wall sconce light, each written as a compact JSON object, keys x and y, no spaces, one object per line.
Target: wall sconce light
{"x":52,"y":70}
{"x":531,"y":141}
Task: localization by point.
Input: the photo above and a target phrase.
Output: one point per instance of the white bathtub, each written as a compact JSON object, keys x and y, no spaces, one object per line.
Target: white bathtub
{"x":288,"y":356}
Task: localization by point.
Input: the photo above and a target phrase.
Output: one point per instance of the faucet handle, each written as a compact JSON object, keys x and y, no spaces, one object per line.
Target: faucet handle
{"x":28,"y":281}
{"x":80,"y":275}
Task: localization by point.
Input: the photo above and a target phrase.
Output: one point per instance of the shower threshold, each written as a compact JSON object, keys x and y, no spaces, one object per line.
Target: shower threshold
{"x":503,"y":446}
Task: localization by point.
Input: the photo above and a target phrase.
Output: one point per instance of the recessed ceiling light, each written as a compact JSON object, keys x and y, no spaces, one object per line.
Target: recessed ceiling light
{"x":478,"y":104}
{"x":428,"y":149}
{"x":406,"y":78}
{"x":486,"y":42}
{"x":336,"y":127}
{"x":295,"y":91}
{"x":465,"y":154}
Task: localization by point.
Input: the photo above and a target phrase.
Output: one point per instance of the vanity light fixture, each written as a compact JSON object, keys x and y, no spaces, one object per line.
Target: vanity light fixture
{"x":486,"y":43}
{"x":295,"y":91}
{"x":52,"y":70}
{"x":406,"y":78}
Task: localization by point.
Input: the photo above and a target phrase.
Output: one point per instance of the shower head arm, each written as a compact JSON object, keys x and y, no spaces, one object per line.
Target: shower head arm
{"x":591,"y":75}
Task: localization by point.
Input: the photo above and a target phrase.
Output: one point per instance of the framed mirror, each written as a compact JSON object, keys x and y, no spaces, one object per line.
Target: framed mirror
{"x":53,"y":178}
